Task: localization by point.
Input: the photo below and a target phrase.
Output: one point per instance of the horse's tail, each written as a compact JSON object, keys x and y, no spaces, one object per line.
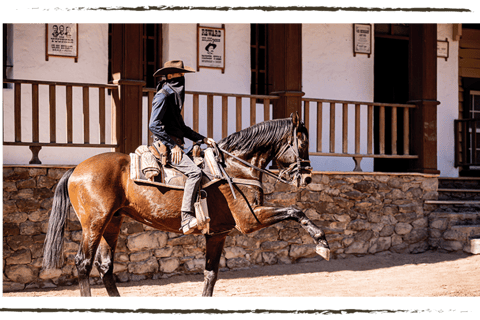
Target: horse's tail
{"x":53,"y":245}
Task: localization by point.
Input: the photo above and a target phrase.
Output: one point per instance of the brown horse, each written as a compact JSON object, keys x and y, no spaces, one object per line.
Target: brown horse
{"x":102,"y":193}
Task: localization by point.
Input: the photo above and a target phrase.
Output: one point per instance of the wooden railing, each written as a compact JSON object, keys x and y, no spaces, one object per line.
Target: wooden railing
{"x":376,"y":143}
{"x":35,"y":87}
{"x":266,"y":102}
{"x":467,"y":142}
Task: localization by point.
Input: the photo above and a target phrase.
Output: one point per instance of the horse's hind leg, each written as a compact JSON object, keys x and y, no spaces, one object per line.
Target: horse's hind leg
{"x":214,"y":247}
{"x":104,"y":260}
{"x":93,"y":227}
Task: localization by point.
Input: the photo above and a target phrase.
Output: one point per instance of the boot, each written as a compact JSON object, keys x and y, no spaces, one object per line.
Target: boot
{"x":189,"y":222}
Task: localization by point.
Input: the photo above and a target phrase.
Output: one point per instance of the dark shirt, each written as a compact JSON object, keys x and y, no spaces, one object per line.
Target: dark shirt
{"x":166,"y":119}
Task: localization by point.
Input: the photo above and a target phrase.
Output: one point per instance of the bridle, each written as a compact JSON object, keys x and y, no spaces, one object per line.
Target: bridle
{"x":295,"y":169}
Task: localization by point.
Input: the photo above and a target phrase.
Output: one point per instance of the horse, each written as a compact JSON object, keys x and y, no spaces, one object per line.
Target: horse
{"x":102,"y":193}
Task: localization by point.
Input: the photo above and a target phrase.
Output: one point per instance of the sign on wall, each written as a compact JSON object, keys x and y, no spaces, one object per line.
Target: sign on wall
{"x":362,"y":39}
{"x":62,"y":40}
{"x":442,"y":49}
{"x":211,"y":48}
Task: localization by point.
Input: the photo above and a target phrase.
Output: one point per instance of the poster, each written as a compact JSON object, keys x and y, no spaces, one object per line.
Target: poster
{"x":362,"y":38}
{"x":211,"y":47}
{"x":62,"y":39}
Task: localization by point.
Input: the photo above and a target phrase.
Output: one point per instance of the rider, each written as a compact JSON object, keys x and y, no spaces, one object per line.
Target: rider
{"x":167,"y":125}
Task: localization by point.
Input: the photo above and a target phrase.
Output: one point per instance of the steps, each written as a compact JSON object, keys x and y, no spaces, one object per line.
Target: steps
{"x":455,"y":221}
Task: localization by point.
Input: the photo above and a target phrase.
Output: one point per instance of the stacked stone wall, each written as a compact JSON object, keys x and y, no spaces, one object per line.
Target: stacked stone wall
{"x":361,"y":213}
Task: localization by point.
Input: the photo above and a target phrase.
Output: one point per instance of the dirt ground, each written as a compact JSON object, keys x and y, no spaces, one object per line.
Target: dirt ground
{"x":430,"y":274}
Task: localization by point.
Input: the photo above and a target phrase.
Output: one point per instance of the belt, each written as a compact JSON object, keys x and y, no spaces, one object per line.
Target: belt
{"x":178,"y":141}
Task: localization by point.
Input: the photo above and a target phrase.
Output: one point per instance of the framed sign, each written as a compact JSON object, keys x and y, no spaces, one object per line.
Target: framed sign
{"x":211,"y":48}
{"x":442,"y":49}
{"x":362,"y":39}
{"x":61,"y":40}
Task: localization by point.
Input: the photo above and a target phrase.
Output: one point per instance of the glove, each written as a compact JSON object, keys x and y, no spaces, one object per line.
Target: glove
{"x":210,"y":142}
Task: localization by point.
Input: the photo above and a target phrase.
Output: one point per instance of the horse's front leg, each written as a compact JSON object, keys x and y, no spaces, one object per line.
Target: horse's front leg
{"x":270,"y":215}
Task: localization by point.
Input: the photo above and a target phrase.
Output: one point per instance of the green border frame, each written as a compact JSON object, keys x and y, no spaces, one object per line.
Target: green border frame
{"x":304,"y":11}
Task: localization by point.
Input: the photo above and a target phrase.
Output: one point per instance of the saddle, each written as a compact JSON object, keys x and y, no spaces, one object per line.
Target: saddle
{"x":149,"y":165}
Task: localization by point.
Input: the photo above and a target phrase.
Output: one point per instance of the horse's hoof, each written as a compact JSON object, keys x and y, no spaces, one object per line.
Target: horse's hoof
{"x":323,"y":252}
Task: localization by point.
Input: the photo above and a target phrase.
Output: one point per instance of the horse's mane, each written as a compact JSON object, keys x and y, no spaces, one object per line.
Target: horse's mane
{"x":264,"y":135}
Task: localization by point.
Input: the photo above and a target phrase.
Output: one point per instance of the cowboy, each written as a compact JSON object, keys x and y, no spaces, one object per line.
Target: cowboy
{"x":167,"y":125}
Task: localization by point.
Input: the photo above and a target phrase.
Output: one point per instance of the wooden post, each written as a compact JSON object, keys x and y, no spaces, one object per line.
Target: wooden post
{"x":127,"y":72}
{"x":285,"y":68}
{"x":423,"y":93}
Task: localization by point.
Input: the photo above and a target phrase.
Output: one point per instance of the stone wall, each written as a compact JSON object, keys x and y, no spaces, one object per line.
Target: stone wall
{"x":361,"y":213}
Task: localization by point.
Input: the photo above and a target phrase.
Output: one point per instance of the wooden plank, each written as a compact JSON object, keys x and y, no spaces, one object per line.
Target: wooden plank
{"x":117,"y":123}
{"x":357,"y":128}
{"x":469,"y":63}
{"x":470,"y":34}
{"x":86,"y":115}
{"x":319,"y":126}
{"x":101,"y":113}
{"x":469,"y":44}
{"x":394,"y":131}
{"x":69,"y":111}
{"x":224,"y":116}
{"x":382,"y":130}
{"x":370,"y":129}
{"x":332,"y":127}
{"x":53,"y":113}
{"x":150,"y":96}
{"x":196,"y":100}
{"x":238,"y":104}
{"x":35,"y":114}
{"x":345,"y":128}
{"x":18,"y":112}
{"x":253,"y":111}
{"x":406,"y":131}
{"x":210,"y":116}
{"x":469,"y":72}
{"x":266,"y":109}
{"x":306,"y":111}
{"x":469,"y":54}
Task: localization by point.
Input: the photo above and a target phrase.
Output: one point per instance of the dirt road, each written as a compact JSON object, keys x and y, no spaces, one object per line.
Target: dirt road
{"x":430,"y":274}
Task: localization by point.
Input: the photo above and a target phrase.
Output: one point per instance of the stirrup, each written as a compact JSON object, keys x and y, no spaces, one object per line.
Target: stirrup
{"x":189,"y":223}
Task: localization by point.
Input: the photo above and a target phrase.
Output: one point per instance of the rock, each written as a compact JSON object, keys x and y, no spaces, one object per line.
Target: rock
{"x":16,"y":218}
{"x":163,"y":252}
{"x":143,"y":267}
{"x":300,"y":251}
{"x":273,"y":245}
{"x":234,"y":252}
{"x":23,"y":256}
{"x":21,"y":273}
{"x":416,"y":235}
{"x":403,"y":228}
{"x":140,"y":256}
{"x":238,"y":263}
{"x":50,"y":274}
{"x":358,"y":225}
{"x":381,"y":244}
{"x":182,"y":240}
{"x":387,"y":231}
{"x":269,"y":257}
{"x":169,"y":265}
{"x":357,"y":247}
{"x":12,"y":286}
{"x":147,"y":240}
{"x":440,"y":224}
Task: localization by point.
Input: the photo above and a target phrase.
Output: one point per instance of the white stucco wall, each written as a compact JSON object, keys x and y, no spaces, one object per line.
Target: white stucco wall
{"x":447,"y":111}
{"x":330,"y":71}
{"x":29,"y":63}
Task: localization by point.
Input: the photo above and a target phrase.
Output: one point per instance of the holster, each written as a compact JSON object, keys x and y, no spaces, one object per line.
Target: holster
{"x":160,"y":151}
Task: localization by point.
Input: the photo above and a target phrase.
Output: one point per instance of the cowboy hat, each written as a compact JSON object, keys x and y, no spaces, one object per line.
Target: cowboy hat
{"x":173,"y":66}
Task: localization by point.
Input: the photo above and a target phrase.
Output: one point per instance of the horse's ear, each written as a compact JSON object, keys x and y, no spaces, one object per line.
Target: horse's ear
{"x":295,"y":119}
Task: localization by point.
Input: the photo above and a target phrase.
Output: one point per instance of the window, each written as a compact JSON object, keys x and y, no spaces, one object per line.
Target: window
{"x":7,"y":47}
{"x":258,"y":59}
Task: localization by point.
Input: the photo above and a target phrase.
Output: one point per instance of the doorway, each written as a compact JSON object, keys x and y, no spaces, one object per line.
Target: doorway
{"x":390,"y":86}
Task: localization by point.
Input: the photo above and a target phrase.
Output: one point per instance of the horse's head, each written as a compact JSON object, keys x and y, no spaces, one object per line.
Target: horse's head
{"x":293,"y":160}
